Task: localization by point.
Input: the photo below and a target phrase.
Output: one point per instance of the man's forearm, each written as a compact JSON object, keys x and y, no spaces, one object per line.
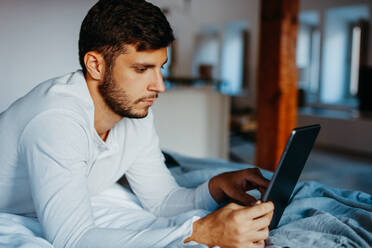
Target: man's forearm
{"x":154,"y":236}
{"x":182,"y":200}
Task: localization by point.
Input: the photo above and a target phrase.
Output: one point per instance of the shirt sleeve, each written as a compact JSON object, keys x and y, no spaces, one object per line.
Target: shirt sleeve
{"x":55,"y":149}
{"x":154,"y":185}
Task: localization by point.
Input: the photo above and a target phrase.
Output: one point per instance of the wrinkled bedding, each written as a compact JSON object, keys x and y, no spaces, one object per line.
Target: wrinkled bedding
{"x":321,"y":216}
{"x":317,"y":216}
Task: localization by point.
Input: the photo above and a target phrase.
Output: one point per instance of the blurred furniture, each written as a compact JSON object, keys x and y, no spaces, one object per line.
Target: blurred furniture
{"x":193,"y":121}
{"x":346,"y":132}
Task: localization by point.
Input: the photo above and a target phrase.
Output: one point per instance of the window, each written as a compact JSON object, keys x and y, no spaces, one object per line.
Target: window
{"x":355,"y":59}
{"x":329,"y":56}
{"x":235,"y":54}
{"x":308,"y":55}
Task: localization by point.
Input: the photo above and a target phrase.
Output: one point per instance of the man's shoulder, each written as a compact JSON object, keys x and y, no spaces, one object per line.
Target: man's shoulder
{"x":65,"y":95}
{"x":68,"y":92}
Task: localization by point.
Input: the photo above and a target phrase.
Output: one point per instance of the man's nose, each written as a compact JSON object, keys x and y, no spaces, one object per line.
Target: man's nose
{"x":157,"y":84}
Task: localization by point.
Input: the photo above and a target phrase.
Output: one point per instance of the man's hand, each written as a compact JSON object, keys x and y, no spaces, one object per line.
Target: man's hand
{"x":234,"y":226}
{"x":233,"y":185}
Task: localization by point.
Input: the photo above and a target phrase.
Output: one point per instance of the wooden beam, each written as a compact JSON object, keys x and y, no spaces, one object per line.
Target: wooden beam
{"x":277,"y":80}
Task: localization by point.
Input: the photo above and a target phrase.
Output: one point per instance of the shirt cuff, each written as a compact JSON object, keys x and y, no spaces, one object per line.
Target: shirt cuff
{"x":192,"y":244}
{"x":190,"y":230}
{"x":204,"y":199}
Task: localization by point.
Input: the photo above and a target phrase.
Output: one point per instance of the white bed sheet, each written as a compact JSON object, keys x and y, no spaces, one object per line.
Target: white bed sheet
{"x":116,"y":207}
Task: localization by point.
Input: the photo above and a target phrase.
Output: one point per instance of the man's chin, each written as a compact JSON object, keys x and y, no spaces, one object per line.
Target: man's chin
{"x":136,"y":115}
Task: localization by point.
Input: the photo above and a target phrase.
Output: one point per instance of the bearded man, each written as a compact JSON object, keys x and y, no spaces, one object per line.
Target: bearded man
{"x":73,"y":137}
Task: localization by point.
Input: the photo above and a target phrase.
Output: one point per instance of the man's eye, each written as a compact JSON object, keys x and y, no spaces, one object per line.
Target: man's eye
{"x":140,"y":69}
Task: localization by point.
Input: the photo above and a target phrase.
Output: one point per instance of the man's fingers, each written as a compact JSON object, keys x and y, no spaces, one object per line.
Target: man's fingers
{"x":234,"y":206}
{"x":257,"y":211}
{"x":261,"y":235}
{"x":263,"y":221}
{"x":244,"y":198}
{"x":262,"y":191}
{"x":263,"y":209}
{"x":254,"y":176}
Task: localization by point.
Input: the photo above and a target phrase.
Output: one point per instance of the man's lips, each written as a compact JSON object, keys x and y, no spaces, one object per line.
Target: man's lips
{"x":149,"y":101}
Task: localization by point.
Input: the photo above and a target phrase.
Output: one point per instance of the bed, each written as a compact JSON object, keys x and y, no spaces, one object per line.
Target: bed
{"x":317,"y":216}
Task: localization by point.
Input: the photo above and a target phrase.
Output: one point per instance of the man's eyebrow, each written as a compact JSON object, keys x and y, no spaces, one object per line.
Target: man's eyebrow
{"x":143,"y":65}
{"x":147,"y":65}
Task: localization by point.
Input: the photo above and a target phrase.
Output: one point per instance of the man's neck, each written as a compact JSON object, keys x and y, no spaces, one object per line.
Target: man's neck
{"x":104,"y":117}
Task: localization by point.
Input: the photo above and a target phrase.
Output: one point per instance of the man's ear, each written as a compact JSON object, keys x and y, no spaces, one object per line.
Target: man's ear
{"x":95,"y":64}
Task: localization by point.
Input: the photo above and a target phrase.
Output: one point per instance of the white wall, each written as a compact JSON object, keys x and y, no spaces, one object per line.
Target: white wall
{"x":38,"y":41}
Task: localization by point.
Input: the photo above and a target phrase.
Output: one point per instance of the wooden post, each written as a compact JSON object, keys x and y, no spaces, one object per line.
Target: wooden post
{"x":277,"y":80}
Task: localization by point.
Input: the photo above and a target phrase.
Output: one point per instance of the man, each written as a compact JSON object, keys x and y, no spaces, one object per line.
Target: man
{"x":74,"y":136}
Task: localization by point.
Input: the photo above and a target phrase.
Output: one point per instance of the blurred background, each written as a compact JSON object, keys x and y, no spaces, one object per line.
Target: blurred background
{"x":210,"y":107}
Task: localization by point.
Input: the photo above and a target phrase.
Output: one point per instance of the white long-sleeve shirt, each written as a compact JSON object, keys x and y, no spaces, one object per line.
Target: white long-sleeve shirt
{"x":52,"y":161}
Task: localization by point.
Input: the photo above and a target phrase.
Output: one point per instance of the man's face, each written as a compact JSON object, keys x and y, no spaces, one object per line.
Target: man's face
{"x":131,"y":86}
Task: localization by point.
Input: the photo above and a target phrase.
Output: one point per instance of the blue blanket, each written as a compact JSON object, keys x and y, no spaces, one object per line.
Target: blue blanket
{"x":317,"y":216}
{"x":322,"y":216}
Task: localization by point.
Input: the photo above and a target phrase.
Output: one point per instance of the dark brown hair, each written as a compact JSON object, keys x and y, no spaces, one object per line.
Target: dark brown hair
{"x":112,"y":24}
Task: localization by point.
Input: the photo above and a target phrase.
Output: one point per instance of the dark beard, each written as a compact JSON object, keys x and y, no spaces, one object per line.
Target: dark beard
{"x":117,"y":100}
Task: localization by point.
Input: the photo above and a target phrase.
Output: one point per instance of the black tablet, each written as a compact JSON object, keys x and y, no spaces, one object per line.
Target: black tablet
{"x":289,"y":169}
